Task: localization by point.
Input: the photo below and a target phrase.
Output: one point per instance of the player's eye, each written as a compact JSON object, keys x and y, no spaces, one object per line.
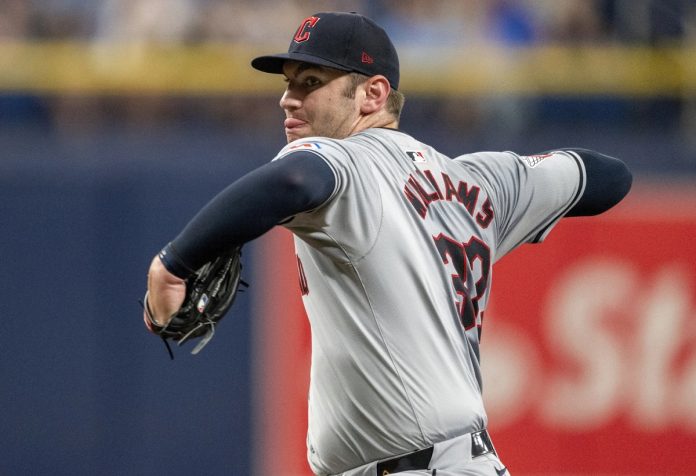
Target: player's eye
{"x":311,"y":81}
{"x":306,"y":83}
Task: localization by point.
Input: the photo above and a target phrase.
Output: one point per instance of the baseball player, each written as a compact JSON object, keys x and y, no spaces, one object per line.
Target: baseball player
{"x":396,"y":244}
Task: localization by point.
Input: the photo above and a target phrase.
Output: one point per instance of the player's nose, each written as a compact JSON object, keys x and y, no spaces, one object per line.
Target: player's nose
{"x":288,"y":101}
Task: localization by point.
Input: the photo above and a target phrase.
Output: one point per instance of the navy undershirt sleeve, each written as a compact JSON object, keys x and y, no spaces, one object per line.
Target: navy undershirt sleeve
{"x":608,"y":182}
{"x":250,"y":207}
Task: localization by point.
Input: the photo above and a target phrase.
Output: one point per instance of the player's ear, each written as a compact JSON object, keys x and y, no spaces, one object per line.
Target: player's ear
{"x":377,"y":91}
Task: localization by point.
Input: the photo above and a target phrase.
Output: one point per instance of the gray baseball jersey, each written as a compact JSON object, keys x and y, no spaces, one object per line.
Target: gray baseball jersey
{"x":395,"y":271}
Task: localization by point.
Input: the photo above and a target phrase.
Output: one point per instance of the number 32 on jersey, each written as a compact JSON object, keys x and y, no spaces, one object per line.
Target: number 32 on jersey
{"x":465,"y":258}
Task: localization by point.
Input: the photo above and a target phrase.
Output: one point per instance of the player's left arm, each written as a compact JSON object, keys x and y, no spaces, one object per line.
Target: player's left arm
{"x":608,"y":181}
{"x":243,"y":211}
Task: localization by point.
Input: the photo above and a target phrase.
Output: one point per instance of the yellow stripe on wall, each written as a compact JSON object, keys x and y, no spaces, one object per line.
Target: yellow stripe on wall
{"x":224,"y":69}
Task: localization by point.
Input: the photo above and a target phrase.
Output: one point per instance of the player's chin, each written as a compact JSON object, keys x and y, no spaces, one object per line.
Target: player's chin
{"x":298,"y":132}
{"x":293,"y":136}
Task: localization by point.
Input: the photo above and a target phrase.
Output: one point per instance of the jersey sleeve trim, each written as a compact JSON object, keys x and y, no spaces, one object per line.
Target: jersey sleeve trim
{"x":539,"y":237}
{"x":337,"y":181}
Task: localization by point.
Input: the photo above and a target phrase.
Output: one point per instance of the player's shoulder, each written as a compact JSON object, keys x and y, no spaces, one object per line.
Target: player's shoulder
{"x":488,"y":162}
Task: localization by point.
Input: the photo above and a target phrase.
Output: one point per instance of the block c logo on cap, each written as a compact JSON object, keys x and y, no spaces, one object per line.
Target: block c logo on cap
{"x":303,"y":32}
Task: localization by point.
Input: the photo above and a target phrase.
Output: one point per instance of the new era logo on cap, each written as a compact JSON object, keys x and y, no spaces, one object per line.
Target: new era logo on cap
{"x":344,"y":41}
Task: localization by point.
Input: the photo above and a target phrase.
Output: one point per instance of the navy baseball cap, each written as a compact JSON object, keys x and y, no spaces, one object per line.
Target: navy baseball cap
{"x":343,"y":41}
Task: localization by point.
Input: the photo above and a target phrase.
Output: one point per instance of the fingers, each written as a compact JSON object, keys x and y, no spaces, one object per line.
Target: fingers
{"x":148,"y":324}
{"x":147,"y":316}
{"x":165,"y":295}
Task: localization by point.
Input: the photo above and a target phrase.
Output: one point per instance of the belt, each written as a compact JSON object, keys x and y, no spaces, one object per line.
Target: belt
{"x":481,"y":444}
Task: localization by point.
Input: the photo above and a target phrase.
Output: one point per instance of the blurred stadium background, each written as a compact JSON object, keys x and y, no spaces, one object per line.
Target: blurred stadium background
{"x":120,"y":118}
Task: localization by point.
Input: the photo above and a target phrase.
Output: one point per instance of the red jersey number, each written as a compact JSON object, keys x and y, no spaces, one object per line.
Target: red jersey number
{"x":463,"y":257}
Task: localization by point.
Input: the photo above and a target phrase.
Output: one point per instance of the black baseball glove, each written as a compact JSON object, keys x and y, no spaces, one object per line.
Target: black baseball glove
{"x":210,"y":292}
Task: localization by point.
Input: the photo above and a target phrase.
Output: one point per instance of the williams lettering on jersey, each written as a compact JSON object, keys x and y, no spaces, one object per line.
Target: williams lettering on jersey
{"x":421,"y":192}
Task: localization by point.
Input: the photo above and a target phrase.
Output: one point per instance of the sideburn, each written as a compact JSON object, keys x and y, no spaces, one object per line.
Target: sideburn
{"x":355,"y":80}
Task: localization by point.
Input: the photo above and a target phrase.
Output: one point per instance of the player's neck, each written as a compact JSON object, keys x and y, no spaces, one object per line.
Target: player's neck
{"x":379,"y":120}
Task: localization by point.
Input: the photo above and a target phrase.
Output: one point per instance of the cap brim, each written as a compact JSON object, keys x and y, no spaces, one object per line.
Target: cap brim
{"x":274,"y":63}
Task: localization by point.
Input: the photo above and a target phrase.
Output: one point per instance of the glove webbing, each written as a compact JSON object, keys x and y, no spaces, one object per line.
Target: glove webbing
{"x":203,"y":342}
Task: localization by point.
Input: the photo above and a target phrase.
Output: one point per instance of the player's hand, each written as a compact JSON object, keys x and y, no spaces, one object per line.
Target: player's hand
{"x":165,"y":294}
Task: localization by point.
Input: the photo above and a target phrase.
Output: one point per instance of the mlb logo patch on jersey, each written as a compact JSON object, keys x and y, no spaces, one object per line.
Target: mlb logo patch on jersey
{"x":534,"y":160}
{"x":416,"y":155}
